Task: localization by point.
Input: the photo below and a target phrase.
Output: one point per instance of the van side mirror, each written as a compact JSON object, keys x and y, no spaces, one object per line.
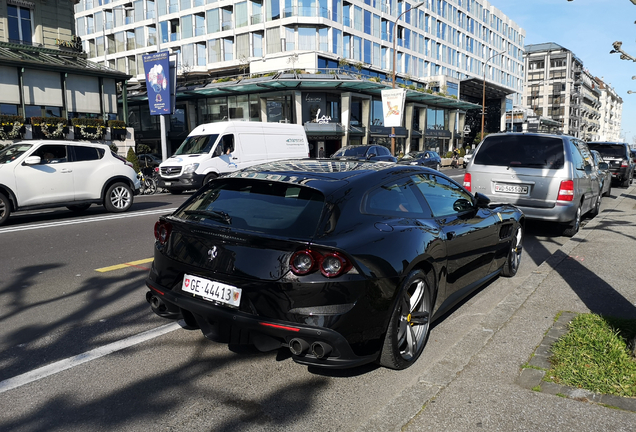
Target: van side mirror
{"x":588,"y":169}
{"x":603,"y":166}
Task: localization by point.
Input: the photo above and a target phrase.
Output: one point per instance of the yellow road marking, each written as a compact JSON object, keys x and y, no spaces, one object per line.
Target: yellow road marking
{"x":124,"y":265}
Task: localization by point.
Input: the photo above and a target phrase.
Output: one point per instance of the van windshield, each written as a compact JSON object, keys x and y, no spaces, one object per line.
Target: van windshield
{"x":197,"y":145}
{"x":521,"y":151}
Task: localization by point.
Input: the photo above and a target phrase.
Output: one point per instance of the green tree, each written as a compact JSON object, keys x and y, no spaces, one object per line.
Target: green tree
{"x":132,"y":158}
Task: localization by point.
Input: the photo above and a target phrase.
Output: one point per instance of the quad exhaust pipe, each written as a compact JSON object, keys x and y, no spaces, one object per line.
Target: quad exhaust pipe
{"x":320,"y":349}
{"x":155,"y":302}
{"x":299,"y":346}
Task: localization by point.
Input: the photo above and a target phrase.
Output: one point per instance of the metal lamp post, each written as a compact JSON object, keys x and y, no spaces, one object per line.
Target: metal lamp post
{"x":483,"y":99}
{"x":395,"y":60}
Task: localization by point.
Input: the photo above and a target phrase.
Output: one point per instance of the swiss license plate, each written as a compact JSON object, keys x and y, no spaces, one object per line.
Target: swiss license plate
{"x":212,"y":290}
{"x":511,"y":188}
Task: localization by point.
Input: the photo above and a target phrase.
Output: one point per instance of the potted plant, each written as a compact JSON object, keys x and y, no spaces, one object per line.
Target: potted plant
{"x":12,"y":126}
{"x":117,"y":129}
{"x":49,"y":127}
{"x":89,"y":128}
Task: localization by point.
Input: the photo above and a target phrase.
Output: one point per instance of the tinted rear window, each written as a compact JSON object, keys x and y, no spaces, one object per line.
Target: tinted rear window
{"x":609,"y":150}
{"x":521,"y":151}
{"x":262,"y":206}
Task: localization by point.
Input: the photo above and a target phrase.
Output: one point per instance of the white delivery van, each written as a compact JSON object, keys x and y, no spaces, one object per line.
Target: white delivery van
{"x":214,"y":149}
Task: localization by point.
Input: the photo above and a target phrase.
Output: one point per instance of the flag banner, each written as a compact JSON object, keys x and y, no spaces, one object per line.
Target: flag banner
{"x":157,"y":68}
{"x":393,"y":106}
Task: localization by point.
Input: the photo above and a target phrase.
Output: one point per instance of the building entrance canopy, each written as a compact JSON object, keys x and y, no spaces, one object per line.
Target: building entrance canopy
{"x":324,"y":82}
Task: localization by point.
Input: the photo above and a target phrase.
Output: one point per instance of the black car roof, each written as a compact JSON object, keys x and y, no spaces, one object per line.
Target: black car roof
{"x":323,"y":174}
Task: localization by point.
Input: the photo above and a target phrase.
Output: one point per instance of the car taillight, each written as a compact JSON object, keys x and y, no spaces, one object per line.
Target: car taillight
{"x":467,"y":182}
{"x":162,"y":231}
{"x":331,"y":264}
{"x":566,"y":191}
{"x":624,"y":164}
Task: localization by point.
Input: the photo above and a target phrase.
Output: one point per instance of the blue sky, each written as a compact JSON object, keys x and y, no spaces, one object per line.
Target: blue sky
{"x":587,"y":28}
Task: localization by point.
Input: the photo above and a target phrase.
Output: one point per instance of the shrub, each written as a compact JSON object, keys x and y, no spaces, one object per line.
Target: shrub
{"x":143,"y":149}
{"x":132,"y":158}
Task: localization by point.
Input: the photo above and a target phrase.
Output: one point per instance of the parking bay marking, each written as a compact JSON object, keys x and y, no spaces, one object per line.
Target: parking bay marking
{"x":62,"y":365}
{"x":126,"y":265}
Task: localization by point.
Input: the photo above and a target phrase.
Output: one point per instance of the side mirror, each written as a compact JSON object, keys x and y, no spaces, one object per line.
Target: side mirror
{"x":603,"y":166}
{"x":462,"y":205}
{"x":32,"y":160}
{"x":371,"y":155}
{"x":588,"y":169}
{"x":481,"y":200}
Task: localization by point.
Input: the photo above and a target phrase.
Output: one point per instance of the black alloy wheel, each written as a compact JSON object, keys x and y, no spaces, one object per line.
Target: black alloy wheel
{"x":410,"y":322}
{"x":513,"y":260}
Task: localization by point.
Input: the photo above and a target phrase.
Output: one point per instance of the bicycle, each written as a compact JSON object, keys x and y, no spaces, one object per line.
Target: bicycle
{"x":148,"y":183}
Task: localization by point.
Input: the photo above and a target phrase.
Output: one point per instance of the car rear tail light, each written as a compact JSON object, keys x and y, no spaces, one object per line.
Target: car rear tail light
{"x":331,"y":264}
{"x":162,"y":231}
{"x":624,"y":163}
{"x":566,"y":191}
{"x":467,"y":182}
{"x":303,"y":262}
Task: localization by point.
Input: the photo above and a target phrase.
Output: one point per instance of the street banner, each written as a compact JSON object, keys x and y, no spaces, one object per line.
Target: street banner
{"x":157,"y":69}
{"x":393,"y":106}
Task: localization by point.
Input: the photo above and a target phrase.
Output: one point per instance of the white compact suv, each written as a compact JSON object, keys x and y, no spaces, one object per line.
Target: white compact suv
{"x":41,"y":174}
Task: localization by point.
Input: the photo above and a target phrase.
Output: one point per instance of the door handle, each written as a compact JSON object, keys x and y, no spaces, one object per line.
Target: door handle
{"x":66,"y":170}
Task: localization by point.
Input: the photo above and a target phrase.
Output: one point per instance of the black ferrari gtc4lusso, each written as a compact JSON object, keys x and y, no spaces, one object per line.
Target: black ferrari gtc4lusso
{"x":342,"y":262}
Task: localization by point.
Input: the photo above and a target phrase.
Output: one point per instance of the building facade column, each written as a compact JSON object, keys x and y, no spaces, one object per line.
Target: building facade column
{"x":366,"y":119}
{"x":408,"y":124}
{"x":345,"y":115}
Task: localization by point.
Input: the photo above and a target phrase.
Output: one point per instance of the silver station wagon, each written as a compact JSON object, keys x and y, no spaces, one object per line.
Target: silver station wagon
{"x":549,"y":177}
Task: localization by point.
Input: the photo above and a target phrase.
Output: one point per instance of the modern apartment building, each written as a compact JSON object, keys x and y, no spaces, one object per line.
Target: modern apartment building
{"x":611,"y":113}
{"x":559,"y":87}
{"x":447,"y":46}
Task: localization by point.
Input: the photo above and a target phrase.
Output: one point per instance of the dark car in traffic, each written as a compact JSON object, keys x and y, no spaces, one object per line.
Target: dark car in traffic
{"x":617,"y":155}
{"x":426,"y":158}
{"x":603,"y":173}
{"x":364,"y":153}
{"x":148,"y":160}
{"x":341,"y":262}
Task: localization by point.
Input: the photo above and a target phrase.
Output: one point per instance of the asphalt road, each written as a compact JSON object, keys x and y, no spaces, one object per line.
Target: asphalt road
{"x":74,"y":355}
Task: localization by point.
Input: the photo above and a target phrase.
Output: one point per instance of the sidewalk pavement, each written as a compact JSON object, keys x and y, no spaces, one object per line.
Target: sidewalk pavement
{"x":595,"y":271}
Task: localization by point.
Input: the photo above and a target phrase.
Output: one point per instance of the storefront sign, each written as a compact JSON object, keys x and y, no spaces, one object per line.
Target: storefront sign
{"x":75,"y":43}
{"x":393,"y":106}
{"x":157,"y":68}
{"x":322,"y":120}
{"x":436,"y":133}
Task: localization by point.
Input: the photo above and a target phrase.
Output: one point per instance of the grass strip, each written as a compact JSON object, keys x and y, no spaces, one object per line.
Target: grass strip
{"x":594,"y":355}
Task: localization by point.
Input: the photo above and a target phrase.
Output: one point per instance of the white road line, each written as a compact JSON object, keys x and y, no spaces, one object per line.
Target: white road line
{"x":62,"y":365}
{"x":86,"y":220}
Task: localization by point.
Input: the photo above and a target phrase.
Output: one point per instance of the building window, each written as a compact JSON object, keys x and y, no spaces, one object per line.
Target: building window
{"x":241,"y":15}
{"x":214,"y":25}
{"x":257,"y":43}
